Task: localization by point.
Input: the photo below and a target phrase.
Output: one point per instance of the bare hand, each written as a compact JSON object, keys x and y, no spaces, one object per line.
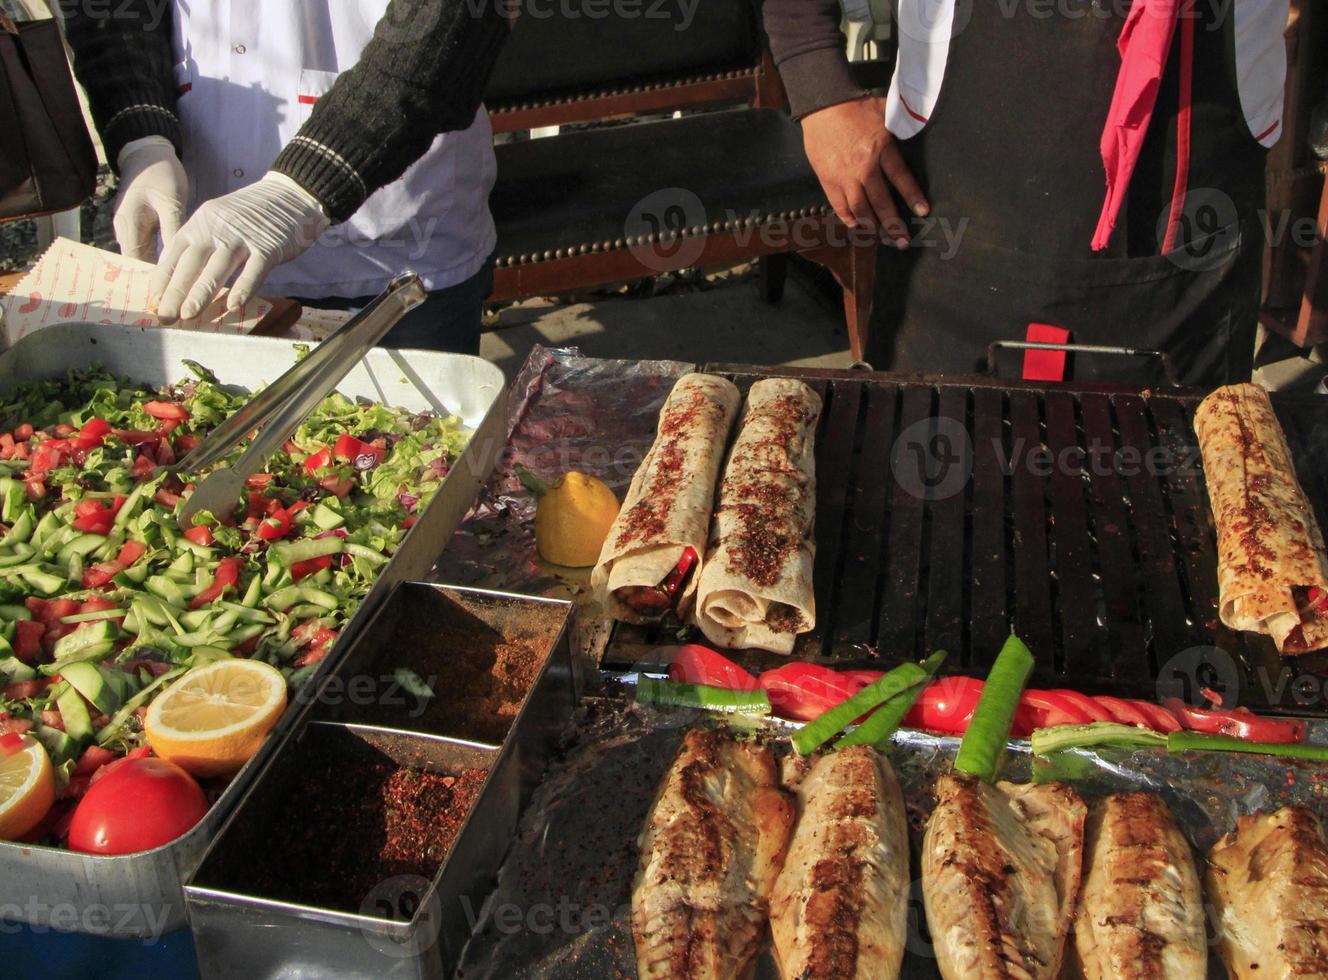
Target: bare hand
{"x":857,"y":161}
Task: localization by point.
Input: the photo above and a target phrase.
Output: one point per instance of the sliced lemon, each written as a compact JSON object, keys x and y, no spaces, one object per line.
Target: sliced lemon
{"x":213,"y":719}
{"x":27,"y":789}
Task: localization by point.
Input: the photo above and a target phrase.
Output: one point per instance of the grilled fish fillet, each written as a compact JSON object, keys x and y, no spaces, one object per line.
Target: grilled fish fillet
{"x":840,"y":906}
{"x":1141,"y":913}
{"x":1268,"y":883}
{"x":710,"y":851}
{"x":1000,"y":876}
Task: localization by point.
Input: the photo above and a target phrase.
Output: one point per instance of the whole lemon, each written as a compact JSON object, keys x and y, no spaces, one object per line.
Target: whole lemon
{"x":572,"y":520}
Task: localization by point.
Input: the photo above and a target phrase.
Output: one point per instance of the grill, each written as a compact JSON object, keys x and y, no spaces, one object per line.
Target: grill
{"x":949,"y":514}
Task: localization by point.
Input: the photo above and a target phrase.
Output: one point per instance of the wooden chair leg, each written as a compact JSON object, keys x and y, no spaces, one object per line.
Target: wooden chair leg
{"x":774,"y":271}
{"x":854,"y":268}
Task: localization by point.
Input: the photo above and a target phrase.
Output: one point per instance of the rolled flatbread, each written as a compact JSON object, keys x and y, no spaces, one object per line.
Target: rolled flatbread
{"x":756,"y":585}
{"x":1270,"y":548}
{"x":667,"y":507}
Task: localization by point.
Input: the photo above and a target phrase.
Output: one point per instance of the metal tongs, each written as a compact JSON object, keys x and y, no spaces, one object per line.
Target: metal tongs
{"x":278,"y":409}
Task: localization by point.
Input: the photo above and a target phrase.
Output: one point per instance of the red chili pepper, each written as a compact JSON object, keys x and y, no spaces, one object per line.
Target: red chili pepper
{"x":348,"y":447}
{"x":226,"y":577}
{"x":166,"y":411}
{"x":27,"y":639}
{"x":697,"y":664}
{"x":673,"y":582}
{"x":303,"y":569}
{"x":200,"y":534}
{"x":319,"y":460}
{"x":1236,"y":722}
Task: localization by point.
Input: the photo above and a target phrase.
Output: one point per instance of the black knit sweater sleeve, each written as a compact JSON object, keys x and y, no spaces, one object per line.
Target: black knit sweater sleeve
{"x":422,"y":74}
{"x":809,"y":51}
{"x":122,"y":57}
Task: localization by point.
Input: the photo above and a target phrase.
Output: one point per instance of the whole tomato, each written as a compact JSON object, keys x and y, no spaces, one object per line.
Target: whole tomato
{"x":136,"y":805}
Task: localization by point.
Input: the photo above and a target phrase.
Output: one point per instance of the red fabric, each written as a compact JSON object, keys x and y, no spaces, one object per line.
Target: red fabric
{"x":1045,"y":365}
{"x":1182,"y":126}
{"x":1144,"y":43}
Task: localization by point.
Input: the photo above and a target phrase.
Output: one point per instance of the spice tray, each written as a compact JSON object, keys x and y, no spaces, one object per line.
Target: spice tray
{"x":351,"y":855}
{"x":139,"y":895}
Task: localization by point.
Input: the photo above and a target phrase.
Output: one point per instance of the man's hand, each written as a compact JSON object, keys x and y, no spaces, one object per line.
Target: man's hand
{"x":153,"y":188}
{"x":258,"y":227}
{"x":857,"y":161}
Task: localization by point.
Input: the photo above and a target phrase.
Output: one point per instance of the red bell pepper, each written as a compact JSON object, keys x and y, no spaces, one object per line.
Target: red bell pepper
{"x":166,"y":411}
{"x":1126,"y":712}
{"x":946,"y":705}
{"x":697,"y":664}
{"x":319,"y":460}
{"x":226,"y":577}
{"x":348,"y":447}
{"x":1236,"y":722}
{"x":200,"y":534}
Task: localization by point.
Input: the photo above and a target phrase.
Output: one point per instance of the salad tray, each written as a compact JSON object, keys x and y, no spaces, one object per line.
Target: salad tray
{"x":327,"y":901}
{"x":139,"y":895}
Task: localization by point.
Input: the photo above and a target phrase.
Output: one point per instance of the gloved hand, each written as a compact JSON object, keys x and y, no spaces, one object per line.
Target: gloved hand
{"x":258,"y":227}
{"x":151,"y":199}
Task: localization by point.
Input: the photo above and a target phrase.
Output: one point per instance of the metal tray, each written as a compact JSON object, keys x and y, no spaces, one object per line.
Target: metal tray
{"x":139,"y":895}
{"x":419,"y":934}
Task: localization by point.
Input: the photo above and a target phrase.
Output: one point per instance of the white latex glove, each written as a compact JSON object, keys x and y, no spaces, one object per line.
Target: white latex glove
{"x":258,"y":227}
{"x":151,"y":199}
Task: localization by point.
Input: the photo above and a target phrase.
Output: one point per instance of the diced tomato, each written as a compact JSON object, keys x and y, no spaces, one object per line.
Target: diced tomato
{"x":339,"y":486}
{"x":22,"y":432}
{"x":302,"y":569}
{"x":409,"y":522}
{"x":247,"y":648}
{"x":304,"y":633}
{"x":63,"y":429}
{"x":199,"y":534}
{"x":92,"y":435}
{"x":166,"y":498}
{"x":136,"y":437}
{"x":348,"y":447}
{"x":187,"y":442}
{"x":57,"y":609}
{"x":320,"y":642}
{"x":165,"y":452}
{"x":130,"y":552}
{"x":697,"y":664}
{"x":27,"y":639}
{"x":166,"y":410}
{"x":168,"y":426}
{"x":21,"y":690}
{"x":142,"y":467}
{"x":21,"y":451}
{"x":1236,"y":723}
{"x":47,"y":456}
{"x":7,"y":446}
{"x":276,"y":525}
{"x":101,"y":574}
{"x":92,"y":759}
{"x":100,"y":523}
{"x":802,"y":691}
{"x":11,"y":742}
{"x":319,"y":460}
{"x":76,"y":787}
{"x":50,"y":718}
{"x":226,"y":577}
{"x":95,"y":603}
{"x":258,"y":481}
{"x":85,"y":507}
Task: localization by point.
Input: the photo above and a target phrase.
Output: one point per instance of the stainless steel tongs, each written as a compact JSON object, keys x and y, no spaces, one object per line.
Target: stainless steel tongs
{"x":278,"y":409}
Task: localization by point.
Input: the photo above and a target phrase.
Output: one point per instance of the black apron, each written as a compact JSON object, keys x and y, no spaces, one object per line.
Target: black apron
{"x":1010,"y":163}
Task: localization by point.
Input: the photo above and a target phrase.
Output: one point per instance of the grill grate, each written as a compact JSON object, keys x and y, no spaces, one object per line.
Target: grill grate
{"x":951,"y":513}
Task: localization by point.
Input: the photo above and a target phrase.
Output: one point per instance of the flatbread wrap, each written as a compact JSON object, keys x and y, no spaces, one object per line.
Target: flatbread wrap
{"x":1272,"y":572}
{"x":755,"y":589}
{"x":654,"y":553}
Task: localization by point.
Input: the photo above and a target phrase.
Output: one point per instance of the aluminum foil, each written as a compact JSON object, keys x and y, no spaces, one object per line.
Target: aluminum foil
{"x":564,"y":412}
{"x":561,"y":908}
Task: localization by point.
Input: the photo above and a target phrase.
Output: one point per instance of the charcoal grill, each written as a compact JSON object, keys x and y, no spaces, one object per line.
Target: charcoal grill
{"x":952,"y":511}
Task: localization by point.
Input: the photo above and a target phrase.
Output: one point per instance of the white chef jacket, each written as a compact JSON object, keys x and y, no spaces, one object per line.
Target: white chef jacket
{"x":249,"y":73}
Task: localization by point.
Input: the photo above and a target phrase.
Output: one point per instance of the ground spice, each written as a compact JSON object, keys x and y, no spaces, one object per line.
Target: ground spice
{"x":347,"y":825}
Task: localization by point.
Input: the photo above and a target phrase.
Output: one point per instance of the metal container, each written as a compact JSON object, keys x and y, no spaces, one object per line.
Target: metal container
{"x":411,"y":929}
{"x":139,"y":895}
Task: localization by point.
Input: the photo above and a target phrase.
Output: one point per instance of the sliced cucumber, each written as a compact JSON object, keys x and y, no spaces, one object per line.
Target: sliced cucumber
{"x":327,"y":518}
{"x":44,"y":582}
{"x":87,"y":679}
{"x":12,"y":669}
{"x":22,"y":528}
{"x":58,"y":745}
{"x":72,"y":646}
{"x":74,"y":714}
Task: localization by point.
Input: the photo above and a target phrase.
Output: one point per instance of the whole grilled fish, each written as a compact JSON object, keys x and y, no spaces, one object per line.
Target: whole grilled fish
{"x":710,"y":851}
{"x":1268,"y":883}
{"x":1000,"y":876}
{"x":1141,"y":912}
{"x":840,"y":906}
